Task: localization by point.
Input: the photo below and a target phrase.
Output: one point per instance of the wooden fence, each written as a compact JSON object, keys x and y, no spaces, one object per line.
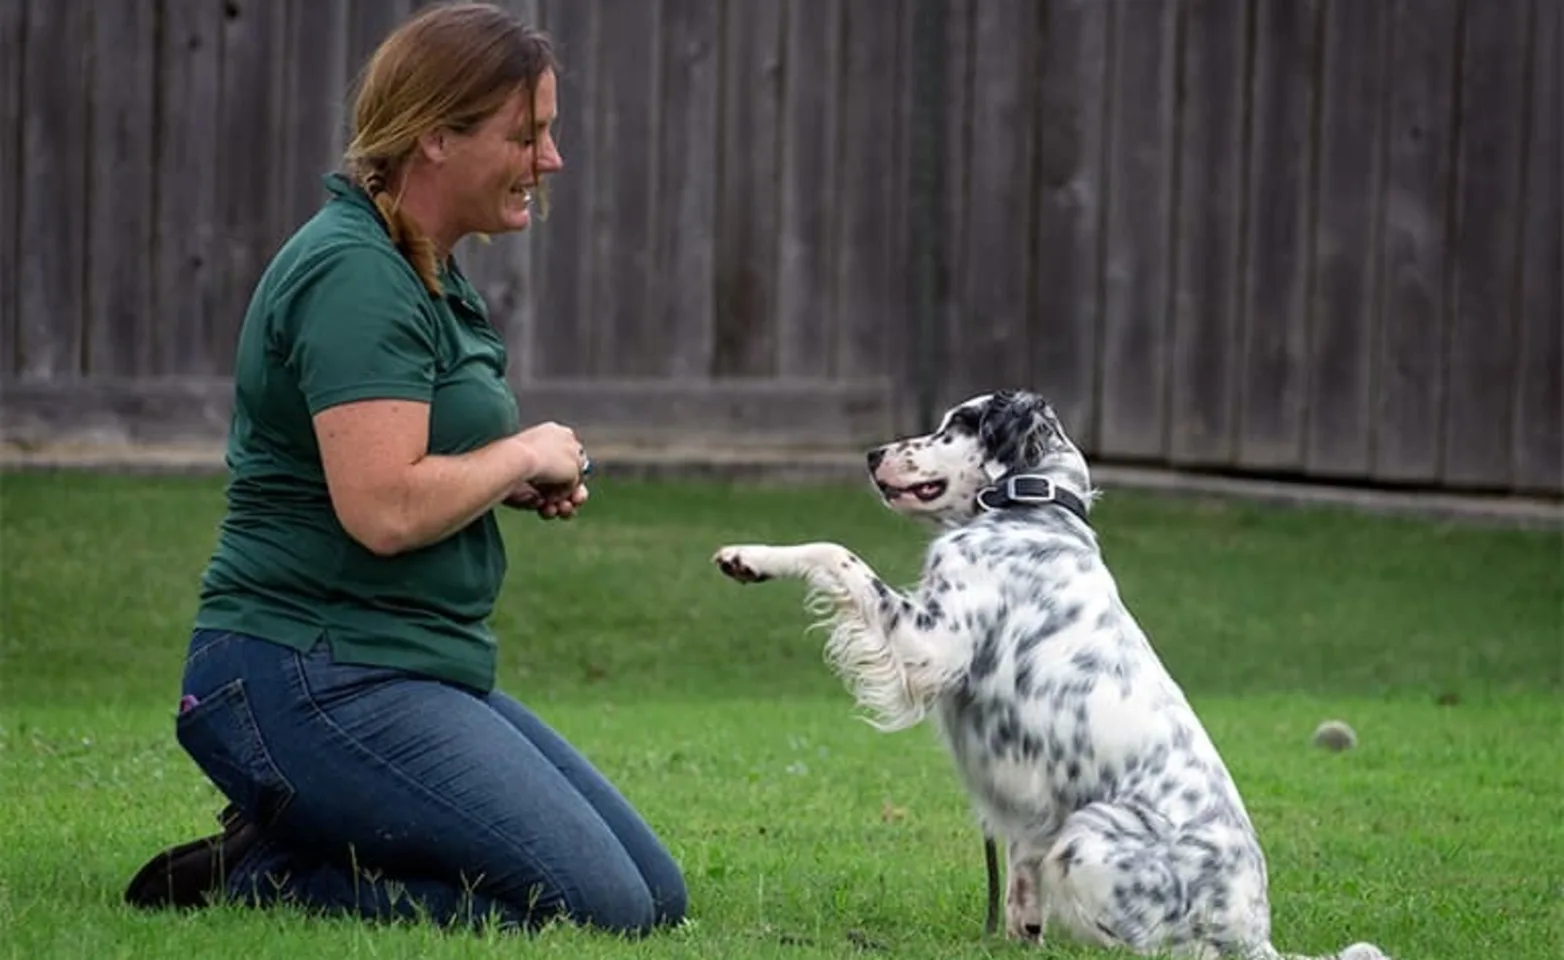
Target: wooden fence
{"x":1318,"y":238}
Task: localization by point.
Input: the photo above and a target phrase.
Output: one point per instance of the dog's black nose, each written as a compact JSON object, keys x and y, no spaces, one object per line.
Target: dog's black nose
{"x":875,"y":456}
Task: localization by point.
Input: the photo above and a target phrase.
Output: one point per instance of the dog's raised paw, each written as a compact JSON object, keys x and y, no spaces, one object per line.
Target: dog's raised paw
{"x":730,"y":560}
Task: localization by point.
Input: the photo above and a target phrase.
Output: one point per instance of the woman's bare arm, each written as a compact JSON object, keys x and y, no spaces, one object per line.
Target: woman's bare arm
{"x":392,"y":496}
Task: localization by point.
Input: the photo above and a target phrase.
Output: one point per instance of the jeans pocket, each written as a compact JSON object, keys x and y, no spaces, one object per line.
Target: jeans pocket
{"x":220,"y":734}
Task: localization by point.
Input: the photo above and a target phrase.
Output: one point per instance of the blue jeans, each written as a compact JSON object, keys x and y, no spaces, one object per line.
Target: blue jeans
{"x":387,"y":795}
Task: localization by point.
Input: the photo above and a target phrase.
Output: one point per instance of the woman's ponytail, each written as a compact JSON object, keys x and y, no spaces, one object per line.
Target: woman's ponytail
{"x":405,"y":235}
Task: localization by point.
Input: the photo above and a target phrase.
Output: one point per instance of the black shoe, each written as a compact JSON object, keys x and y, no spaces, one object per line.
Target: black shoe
{"x":191,"y":874}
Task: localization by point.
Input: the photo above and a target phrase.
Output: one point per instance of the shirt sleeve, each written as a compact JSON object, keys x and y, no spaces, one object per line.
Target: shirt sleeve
{"x":360,"y":330}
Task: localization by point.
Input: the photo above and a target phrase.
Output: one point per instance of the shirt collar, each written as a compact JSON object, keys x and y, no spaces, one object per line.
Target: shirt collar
{"x":457,"y":286}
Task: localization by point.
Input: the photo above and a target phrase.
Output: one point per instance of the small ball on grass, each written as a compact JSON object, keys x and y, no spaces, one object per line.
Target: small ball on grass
{"x":1335,"y":736}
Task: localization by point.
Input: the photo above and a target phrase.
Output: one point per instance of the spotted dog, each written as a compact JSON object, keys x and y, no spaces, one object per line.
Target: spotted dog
{"x":1079,"y":751}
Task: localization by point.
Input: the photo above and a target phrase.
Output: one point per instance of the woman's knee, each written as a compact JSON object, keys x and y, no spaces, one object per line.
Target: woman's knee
{"x":625,"y":901}
{"x":670,"y":897}
{"x":613,"y":902}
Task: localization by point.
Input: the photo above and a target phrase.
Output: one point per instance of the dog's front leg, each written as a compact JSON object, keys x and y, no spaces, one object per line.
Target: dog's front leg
{"x":834,"y":573}
{"x":896,"y":653}
{"x":753,"y":563}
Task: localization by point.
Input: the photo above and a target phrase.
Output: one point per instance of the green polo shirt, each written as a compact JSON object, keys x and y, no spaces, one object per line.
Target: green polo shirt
{"x":338,"y":316}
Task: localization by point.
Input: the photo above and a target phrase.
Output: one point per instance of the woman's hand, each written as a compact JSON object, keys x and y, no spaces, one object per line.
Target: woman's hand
{"x":550,"y":502}
{"x":553,"y":488}
{"x":557,"y":456}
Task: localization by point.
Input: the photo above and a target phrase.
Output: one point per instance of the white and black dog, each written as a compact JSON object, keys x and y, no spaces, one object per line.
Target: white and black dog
{"x":1079,"y":750}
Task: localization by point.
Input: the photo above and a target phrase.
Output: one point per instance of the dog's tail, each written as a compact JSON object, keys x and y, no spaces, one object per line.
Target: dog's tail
{"x":1357,"y":951}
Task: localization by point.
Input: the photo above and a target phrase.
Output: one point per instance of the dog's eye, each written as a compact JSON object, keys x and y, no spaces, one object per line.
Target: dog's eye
{"x":963,"y":421}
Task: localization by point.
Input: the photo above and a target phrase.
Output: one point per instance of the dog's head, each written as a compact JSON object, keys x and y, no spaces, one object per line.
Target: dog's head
{"x":937,"y":476}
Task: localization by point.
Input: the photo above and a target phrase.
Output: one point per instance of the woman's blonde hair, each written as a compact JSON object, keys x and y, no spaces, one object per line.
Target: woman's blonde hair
{"x":453,"y":65}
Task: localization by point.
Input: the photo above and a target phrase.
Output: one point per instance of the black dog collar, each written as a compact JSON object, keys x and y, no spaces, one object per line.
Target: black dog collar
{"x":1029,"y":490}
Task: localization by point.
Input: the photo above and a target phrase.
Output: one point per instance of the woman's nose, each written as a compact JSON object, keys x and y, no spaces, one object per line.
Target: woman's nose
{"x":549,"y":159}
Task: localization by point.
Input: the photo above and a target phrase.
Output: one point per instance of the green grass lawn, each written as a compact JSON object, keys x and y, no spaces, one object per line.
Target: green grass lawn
{"x":803,"y":833}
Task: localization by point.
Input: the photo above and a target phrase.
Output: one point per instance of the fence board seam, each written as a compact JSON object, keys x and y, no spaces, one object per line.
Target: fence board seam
{"x":1378,"y":295}
{"x":1312,"y":231}
{"x":1235,"y":425}
{"x":1454,"y":163}
{"x":1518,"y":266}
{"x":1172,"y":232}
{"x":1109,"y":95}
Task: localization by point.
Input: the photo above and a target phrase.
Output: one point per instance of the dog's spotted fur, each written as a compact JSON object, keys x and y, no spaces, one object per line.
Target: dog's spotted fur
{"x":1078,"y":749}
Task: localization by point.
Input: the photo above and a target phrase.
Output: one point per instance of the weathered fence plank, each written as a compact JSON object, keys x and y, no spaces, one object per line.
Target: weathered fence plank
{"x":187,"y":278}
{"x":684,"y":227}
{"x":1410,"y":368}
{"x":1484,"y":252}
{"x":1348,"y":212}
{"x":563,"y":343}
{"x":897,"y":329}
{"x":623,"y":178}
{"x":254,"y":219}
{"x":13,"y":17}
{"x":1538,"y":448}
{"x":745,"y":328}
{"x":870,"y":304}
{"x":1139,"y":248}
{"x":951,"y":269}
{"x":55,"y":151}
{"x":1205,"y":361}
{"x":314,"y":62}
{"x":1279,"y":257}
{"x":1071,"y":43}
{"x":812,"y":116}
{"x":991,"y":351}
{"x":925,"y":102}
{"x":119,"y":318}
{"x":369,"y":22}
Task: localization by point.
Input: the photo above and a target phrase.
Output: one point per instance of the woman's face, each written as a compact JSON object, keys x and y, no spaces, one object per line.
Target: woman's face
{"x":494,"y":168}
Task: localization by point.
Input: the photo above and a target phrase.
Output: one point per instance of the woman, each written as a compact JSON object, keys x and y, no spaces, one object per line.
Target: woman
{"x":339,"y":686}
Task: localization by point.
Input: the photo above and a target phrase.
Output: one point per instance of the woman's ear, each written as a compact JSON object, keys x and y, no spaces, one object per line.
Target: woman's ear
{"x":435,"y":145}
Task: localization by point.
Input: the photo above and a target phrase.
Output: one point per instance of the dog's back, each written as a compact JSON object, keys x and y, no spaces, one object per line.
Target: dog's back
{"x":1064,"y":701}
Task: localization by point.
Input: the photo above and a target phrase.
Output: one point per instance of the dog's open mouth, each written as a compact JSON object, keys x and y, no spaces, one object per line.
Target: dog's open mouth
{"x":924,"y":492}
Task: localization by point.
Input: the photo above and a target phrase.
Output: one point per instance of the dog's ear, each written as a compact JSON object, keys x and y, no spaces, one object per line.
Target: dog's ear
{"x":1016,"y":429}
{"x":1038,"y":432}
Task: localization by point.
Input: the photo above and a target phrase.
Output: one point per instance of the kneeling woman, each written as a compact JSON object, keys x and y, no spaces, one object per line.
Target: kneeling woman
{"x":340,"y":683}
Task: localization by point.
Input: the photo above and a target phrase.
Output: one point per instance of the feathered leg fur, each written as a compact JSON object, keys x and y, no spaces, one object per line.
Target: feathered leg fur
{"x":893,"y":651}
